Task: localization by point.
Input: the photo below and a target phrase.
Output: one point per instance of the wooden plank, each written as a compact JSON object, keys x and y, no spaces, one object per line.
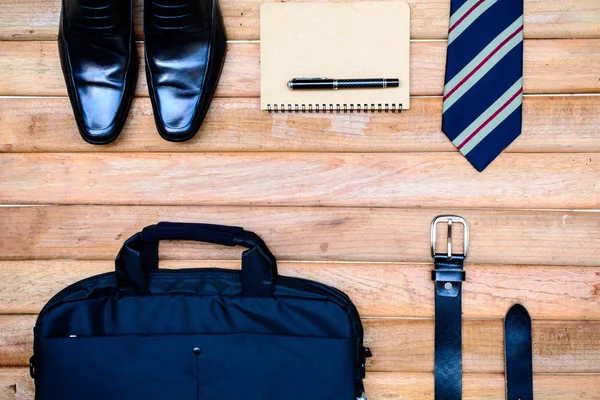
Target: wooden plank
{"x":550,"y":124}
{"x":38,"y":19}
{"x":16,"y":384}
{"x":558,"y":346}
{"x":16,"y":339}
{"x":551,"y":66}
{"x":406,"y":345}
{"x":334,"y":234}
{"x":378,"y":290}
{"x":27,"y":64}
{"x":419,"y":386}
{"x":344,"y":179}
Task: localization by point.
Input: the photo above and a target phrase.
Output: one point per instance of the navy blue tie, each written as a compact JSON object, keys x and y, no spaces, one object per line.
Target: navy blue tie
{"x":483,"y":91}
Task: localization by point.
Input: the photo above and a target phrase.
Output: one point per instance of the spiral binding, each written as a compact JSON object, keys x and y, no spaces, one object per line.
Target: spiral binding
{"x":335,"y":108}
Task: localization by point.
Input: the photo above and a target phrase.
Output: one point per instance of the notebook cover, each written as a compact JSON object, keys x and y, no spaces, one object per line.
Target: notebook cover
{"x":334,"y":40}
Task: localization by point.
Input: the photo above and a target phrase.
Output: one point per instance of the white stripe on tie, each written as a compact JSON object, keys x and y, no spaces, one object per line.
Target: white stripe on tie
{"x":483,"y":63}
{"x":490,"y":118}
{"x":466,"y":15}
{"x":462,"y":11}
{"x":488,"y":113}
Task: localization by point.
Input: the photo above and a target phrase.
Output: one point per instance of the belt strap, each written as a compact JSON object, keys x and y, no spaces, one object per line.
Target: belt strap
{"x":517,"y":346}
{"x":448,"y":276}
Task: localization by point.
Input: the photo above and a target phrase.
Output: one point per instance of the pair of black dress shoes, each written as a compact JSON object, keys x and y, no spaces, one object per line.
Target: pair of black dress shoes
{"x":185,"y":49}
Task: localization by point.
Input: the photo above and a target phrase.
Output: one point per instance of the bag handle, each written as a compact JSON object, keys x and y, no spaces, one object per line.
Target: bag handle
{"x":139,"y":255}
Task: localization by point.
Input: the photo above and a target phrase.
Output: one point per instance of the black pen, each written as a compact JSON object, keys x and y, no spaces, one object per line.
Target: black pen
{"x":335,"y":84}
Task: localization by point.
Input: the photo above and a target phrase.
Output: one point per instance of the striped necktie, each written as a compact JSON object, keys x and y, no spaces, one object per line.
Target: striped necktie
{"x":483,"y":91}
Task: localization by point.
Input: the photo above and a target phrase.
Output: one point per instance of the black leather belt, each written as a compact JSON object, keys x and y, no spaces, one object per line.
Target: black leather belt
{"x":448,"y":276}
{"x":517,"y":347}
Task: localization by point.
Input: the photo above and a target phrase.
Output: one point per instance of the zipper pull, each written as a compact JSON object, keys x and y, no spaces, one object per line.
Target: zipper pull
{"x":32,"y":367}
{"x":363,"y":365}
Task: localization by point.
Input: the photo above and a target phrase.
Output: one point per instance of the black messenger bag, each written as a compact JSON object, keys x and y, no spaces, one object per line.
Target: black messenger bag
{"x":147,"y":333}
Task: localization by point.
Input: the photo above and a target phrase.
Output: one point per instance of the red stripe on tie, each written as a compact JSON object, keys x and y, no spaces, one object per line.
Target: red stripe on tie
{"x":487,"y":121}
{"x":483,"y":62}
{"x":461,"y":19}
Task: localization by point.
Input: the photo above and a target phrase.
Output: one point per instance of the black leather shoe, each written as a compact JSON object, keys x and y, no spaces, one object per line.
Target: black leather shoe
{"x":185,"y":51}
{"x":99,"y":61}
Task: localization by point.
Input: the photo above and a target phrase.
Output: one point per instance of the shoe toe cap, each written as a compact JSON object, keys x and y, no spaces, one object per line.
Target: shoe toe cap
{"x":101,"y":110}
{"x":178,"y":113}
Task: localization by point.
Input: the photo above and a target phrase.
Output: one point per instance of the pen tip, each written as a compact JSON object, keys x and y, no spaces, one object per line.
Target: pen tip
{"x":290,"y":85}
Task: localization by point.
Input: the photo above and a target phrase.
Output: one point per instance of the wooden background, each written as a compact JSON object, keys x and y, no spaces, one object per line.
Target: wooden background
{"x":344,"y":199}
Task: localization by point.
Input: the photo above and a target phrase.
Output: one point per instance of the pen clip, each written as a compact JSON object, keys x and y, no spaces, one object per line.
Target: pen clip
{"x":311,"y":78}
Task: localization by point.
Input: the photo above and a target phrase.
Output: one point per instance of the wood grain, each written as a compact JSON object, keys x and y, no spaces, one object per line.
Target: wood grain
{"x":16,"y":384}
{"x":546,"y":260}
{"x":378,"y":290}
{"x":419,"y":386}
{"x":24,"y":65}
{"x":38,"y":19}
{"x":550,"y":124}
{"x":310,"y":179}
{"x":551,"y":66}
{"x":406,"y":345}
{"x":304,"y":233}
{"x":558,"y":346}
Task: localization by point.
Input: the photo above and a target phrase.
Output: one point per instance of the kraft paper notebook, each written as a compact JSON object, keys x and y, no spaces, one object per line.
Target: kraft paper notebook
{"x":338,"y":41}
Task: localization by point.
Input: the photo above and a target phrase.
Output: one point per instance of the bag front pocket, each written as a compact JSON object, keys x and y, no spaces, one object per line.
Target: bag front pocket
{"x":196,"y":367}
{"x":271,"y":367}
{"x":117,"y":368}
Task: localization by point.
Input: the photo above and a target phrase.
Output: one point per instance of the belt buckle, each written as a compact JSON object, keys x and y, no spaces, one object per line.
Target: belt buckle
{"x":450,"y":220}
